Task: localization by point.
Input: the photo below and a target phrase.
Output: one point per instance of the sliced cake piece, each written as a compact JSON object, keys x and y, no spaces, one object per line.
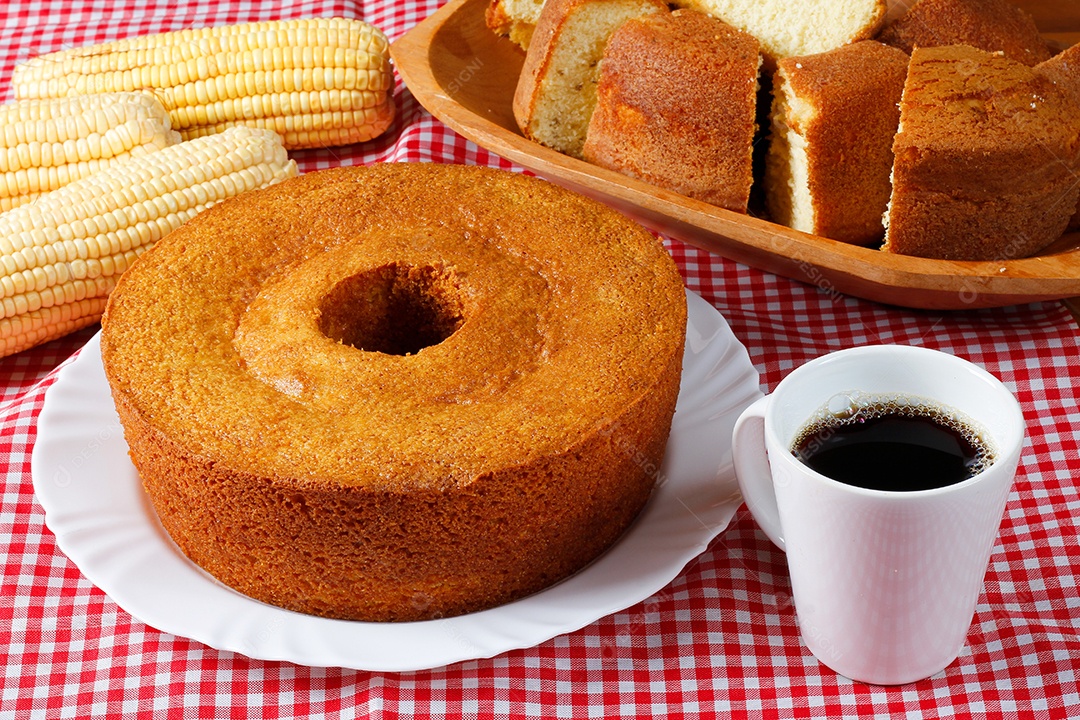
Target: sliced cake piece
{"x":514,"y":19}
{"x":834,"y":116}
{"x":985,"y":160}
{"x":1064,"y":71}
{"x":991,"y":25}
{"x":675,"y":107}
{"x":787,"y":28}
{"x":556,"y":93}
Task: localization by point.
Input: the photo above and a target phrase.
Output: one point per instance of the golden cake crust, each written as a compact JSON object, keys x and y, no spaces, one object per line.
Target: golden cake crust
{"x":847,"y":117}
{"x":505,"y":453}
{"x":676,"y":106}
{"x":1064,"y":71}
{"x":991,"y":25}
{"x":985,"y":160}
{"x":556,"y":91}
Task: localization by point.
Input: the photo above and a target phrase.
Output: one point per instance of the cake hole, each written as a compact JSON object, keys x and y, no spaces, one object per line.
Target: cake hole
{"x":396,"y":309}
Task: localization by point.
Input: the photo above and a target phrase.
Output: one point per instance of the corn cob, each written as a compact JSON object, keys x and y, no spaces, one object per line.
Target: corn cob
{"x":61,"y":256}
{"x":316,"y":82}
{"x":45,"y":144}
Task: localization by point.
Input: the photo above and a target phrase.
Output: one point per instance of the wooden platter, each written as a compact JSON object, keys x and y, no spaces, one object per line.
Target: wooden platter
{"x":465,"y":76}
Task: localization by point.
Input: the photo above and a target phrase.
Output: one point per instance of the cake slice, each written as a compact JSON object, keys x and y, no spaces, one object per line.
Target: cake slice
{"x":991,"y":25}
{"x":986,"y":158}
{"x":834,"y":116}
{"x":556,"y":93}
{"x":1064,"y":71}
{"x":514,"y":19}
{"x":786,"y":28}
{"x":676,"y":104}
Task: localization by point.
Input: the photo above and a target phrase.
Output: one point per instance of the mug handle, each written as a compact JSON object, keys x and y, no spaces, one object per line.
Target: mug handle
{"x":753,"y":471}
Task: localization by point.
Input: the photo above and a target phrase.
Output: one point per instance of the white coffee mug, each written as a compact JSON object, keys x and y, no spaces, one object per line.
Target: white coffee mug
{"x":884,"y":582}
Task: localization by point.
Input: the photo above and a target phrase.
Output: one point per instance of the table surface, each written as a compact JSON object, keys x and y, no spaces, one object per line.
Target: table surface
{"x":722,"y":637}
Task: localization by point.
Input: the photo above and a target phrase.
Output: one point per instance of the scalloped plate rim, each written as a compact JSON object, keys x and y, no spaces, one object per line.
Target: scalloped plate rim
{"x":120,"y":547}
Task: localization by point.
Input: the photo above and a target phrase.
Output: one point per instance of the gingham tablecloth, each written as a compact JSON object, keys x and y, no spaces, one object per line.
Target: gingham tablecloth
{"x":720,"y":639}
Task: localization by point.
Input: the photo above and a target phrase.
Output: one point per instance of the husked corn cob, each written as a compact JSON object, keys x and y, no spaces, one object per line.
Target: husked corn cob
{"x":47,"y":143}
{"x":61,"y":256}
{"x":316,"y":82}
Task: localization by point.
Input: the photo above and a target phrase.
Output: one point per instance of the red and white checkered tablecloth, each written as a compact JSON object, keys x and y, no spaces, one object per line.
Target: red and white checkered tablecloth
{"x":720,"y":639}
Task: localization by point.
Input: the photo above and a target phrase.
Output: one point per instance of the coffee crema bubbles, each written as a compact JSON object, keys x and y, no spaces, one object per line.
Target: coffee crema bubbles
{"x":895,"y":443}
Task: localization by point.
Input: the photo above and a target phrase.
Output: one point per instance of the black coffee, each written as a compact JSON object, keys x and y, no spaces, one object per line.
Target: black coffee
{"x":891,"y":445}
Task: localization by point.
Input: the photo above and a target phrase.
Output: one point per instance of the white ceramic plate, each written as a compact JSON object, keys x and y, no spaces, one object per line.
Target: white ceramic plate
{"x":95,"y":505}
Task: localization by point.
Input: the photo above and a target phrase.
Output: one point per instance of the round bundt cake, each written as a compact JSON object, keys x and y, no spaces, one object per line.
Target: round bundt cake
{"x":398,"y":392}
